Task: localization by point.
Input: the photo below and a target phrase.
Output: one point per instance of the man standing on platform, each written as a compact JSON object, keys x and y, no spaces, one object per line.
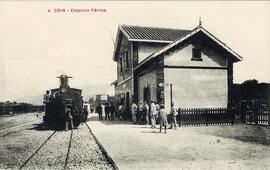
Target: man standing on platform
{"x":107,"y":111}
{"x":146,"y":112}
{"x":134,"y":109}
{"x":99,"y":111}
{"x":173,"y":116}
{"x":153,"y":113}
{"x":111,"y":108}
{"x":163,"y":118}
{"x":140,"y":113}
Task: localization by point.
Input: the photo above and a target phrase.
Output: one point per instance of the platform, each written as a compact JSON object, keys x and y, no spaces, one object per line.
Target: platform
{"x":141,"y":147}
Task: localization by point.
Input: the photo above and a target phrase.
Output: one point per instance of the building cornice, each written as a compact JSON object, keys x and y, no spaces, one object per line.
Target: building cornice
{"x":124,"y":81}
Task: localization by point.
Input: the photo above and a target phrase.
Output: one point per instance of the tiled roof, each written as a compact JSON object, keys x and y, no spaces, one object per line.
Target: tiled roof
{"x":152,"y":33}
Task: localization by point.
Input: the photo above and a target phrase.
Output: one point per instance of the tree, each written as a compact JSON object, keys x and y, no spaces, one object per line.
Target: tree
{"x":251,"y":90}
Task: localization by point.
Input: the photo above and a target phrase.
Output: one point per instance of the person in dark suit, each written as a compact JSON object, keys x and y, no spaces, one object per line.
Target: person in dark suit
{"x":99,"y":111}
{"x":111,"y":109}
{"x":107,"y":112}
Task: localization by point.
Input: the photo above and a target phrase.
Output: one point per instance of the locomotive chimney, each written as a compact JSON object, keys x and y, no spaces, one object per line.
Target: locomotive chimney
{"x":64,"y":83}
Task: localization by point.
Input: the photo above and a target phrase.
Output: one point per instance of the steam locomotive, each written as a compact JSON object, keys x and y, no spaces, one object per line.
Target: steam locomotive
{"x":56,"y":100}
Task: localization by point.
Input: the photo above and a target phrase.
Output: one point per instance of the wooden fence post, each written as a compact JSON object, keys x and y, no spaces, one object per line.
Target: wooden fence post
{"x":179,"y":116}
{"x":207,"y":116}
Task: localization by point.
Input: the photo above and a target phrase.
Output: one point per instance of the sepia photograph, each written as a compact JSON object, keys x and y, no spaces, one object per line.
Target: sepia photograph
{"x":135,"y":85}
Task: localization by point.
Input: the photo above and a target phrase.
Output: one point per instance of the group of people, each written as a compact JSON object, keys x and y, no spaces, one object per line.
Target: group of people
{"x":143,"y":114}
{"x":146,"y":114}
{"x":109,"y":111}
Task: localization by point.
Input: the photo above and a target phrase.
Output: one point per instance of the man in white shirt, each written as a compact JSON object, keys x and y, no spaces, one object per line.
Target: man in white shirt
{"x":146,"y":112}
{"x":134,"y":109}
{"x":153,"y":113}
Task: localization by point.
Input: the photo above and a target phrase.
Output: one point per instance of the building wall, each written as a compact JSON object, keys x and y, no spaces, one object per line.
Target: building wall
{"x":182,"y":57}
{"x":146,"y":49}
{"x":137,"y":52}
{"x":149,"y":79}
{"x":127,"y":72}
{"x":124,"y":88}
{"x":196,"y":88}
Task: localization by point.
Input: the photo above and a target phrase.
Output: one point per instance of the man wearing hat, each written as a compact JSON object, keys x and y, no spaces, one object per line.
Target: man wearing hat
{"x":69,"y":118}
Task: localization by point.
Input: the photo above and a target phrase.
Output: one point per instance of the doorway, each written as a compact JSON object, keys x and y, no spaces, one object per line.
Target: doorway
{"x":146,"y":94}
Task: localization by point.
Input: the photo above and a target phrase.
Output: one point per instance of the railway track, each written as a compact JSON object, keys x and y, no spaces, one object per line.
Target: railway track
{"x":16,"y":125}
{"x":43,"y":144}
{"x":69,"y":141}
{"x":68,"y":151}
{"x":31,"y":156}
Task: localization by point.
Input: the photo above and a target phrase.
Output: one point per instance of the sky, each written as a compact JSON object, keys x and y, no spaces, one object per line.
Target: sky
{"x":36,"y":46}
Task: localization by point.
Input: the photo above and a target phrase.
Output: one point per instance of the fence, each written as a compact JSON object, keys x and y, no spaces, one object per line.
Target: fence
{"x":257,"y":116}
{"x":216,"y":116}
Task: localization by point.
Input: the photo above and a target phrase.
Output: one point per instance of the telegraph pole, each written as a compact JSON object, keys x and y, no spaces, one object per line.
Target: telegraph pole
{"x":3,"y":77}
{"x":3,"y":86}
{"x":171,"y":94}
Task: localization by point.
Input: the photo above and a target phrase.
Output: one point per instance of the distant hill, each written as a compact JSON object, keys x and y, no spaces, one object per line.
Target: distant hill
{"x":88,"y":91}
{"x":35,"y":100}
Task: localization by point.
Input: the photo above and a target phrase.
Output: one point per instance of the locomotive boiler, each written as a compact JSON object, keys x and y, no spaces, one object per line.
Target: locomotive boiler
{"x":57,"y":100}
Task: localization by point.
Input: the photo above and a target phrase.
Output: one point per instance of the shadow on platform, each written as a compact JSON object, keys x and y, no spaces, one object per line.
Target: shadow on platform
{"x":156,"y":131}
{"x":116,"y":121}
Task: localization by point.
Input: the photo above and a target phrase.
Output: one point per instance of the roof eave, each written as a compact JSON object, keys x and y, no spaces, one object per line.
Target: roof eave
{"x":165,"y":48}
{"x":154,"y":41}
{"x":114,"y":82}
{"x":121,"y":30}
{"x":236,"y":56}
{"x":115,"y":44}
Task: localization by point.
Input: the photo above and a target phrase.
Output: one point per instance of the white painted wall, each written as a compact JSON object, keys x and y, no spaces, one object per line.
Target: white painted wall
{"x":182,"y":57}
{"x":196,"y":88}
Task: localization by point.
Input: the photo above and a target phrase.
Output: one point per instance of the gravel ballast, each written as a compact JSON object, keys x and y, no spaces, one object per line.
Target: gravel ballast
{"x":53,"y":154}
{"x":85,"y":153}
{"x":17,"y":146}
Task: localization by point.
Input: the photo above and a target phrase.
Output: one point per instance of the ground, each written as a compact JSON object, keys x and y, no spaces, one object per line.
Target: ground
{"x":202,"y":147}
{"x":133,"y":146}
{"x":21,"y":140}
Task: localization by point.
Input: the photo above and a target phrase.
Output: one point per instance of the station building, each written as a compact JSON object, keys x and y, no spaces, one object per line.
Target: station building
{"x":191,"y":68}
